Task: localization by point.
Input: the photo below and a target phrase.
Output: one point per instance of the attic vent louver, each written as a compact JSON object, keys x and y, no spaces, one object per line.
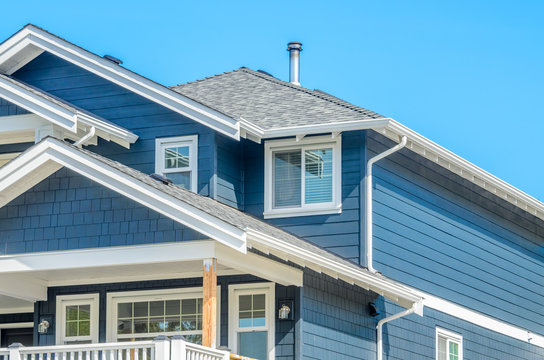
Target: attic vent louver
{"x":113,"y":59}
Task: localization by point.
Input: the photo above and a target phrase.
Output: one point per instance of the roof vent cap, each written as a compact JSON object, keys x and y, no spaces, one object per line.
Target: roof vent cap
{"x":294,"y":48}
{"x":163,"y":179}
{"x":113,"y":59}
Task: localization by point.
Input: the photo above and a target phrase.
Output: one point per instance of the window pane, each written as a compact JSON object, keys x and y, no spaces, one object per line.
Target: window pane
{"x":287,"y":178}
{"x":259,"y":318}
{"x":442,"y":342}
{"x":172,"y":323}
{"x":84,"y":328}
{"x":124,"y":326}
{"x":188,"y":306}
{"x":253,"y":344}
{"x":156,"y":308}
{"x":182,"y":179}
{"x":245,"y":302}
{"x":71,"y":328}
{"x":258,"y":302}
{"x":172,"y":307}
{"x":189,"y":323}
{"x":140,"y":309}
{"x":176,"y":157}
{"x":71,"y":312}
{"x":318,"y":176}
{"x":140,"y":326}
{"x":124,"y":310}
{"x":84,"y":312}
{"x":156,"y":324}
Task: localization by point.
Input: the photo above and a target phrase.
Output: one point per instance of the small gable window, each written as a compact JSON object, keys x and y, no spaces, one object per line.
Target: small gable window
{"x":176,"y":158}
{"x":303,"y":177}
{"x":449,"y":345}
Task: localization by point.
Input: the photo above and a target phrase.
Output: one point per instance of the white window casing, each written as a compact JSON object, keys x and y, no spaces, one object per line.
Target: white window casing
{"x":189,"y":142}
{"x":449,"y":345}
{"x":235,"y":291}
{"x":64,"y":301}
{"x":115,"y":298}
{"x":306,"y":144}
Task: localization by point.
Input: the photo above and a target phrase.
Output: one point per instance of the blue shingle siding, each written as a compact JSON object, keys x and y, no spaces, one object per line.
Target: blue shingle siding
{"x":230,"y":174}
{"x":114,"y":103}
{"x":338,"y":233}
{"x":69,"y":211}
{"x":443,"y":242}
{"x":7,"y":108}
{"x":335,"y":320}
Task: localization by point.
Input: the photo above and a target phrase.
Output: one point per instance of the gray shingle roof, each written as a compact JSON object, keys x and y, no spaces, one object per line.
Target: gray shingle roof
{"x":269,"y":102}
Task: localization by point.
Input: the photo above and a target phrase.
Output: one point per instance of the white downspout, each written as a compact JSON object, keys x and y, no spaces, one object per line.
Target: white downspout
{"x":85,"y":137}
{"x":368,"y":200}
{"x":379,"y":330}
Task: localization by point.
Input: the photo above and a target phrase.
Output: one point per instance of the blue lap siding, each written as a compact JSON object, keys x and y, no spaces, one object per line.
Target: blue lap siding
{"x":69,"y":211}
{"x":457,"y":245}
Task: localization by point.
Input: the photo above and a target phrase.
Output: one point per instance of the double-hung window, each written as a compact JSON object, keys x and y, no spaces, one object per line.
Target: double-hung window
{"x":77,"y":319}
{"x":449,"y":345}
{"x":303,"y":177}
{"x":176,"y":158}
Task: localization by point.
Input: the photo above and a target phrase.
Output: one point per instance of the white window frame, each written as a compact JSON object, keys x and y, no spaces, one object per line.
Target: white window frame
{"x":60,"y":317}
{"x":308,"y":143}
{"x":451,"y":337}
{"x":269,"y":289}
{"x":192,"y":142}
{"x":150,"y":295}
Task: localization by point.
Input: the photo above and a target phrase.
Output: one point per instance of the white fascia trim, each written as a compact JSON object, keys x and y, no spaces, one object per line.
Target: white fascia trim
{"x":396,"y":292}
{"x":15,"y":310}
{"x":479,"y":319}
{"x":303,"y":130}
{"x":18,"y":325}
{"x":456,"y":164}
{"x":107,"y":256}
{"x":30,"y":101}
{"x":52,"y":154}
{"x":33,"y":37}
{"x":110,"y":131}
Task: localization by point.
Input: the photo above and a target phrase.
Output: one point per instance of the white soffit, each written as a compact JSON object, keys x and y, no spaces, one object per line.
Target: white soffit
{"x":464,"y":168}
{"x":31,"y":41}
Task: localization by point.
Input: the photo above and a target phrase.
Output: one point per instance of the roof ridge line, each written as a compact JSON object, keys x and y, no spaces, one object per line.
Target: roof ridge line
{"x":277,"y":81}
{"x":208,"y":77}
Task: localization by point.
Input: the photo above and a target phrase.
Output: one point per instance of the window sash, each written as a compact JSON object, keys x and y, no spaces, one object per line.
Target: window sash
{"x":190,"y":142}
{"x":65,"y":301}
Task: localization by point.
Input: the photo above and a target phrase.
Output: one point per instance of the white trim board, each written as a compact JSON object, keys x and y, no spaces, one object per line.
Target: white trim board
{"x":31,"y":41}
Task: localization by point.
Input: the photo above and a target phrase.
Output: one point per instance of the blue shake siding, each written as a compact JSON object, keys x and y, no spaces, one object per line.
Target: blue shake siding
{"x":7,"y":108}
{"x":116,"y":104}
{"x":438,"y":241}
{"x":68,"y":211}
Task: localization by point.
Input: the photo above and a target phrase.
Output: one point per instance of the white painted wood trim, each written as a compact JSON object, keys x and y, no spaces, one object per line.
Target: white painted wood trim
{"x":14,"y":53}
{"x":269,"y":289}
{"x":93,"y":299}
{"x":334,"y":207}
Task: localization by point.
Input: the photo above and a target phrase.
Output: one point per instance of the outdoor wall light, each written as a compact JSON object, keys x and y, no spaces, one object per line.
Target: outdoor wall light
{"x":283,"y":312}
{"x":43,"y":326}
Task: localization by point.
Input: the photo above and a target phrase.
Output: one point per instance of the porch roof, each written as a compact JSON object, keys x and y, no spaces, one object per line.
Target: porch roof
{"x":220,"y":222}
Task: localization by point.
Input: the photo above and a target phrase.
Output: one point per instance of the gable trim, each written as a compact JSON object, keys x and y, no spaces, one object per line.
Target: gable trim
{"x":31,"y":41}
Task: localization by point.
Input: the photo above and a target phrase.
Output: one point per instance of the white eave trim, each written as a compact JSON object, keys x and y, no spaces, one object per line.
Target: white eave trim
{"x":464,"y":168}
{"x":50,"y":155}
{"x":29,"y":42}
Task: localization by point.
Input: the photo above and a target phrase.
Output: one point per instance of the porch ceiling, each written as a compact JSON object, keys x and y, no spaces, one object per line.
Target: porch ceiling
{"x":10,"y":304}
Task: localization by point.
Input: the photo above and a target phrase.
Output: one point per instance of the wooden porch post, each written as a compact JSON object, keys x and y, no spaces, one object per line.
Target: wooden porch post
{"x":209,"y":303}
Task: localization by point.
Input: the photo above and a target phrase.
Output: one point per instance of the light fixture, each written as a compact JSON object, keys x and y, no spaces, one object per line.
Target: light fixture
{"x":283,"y":312}
{"x":43,"y":326}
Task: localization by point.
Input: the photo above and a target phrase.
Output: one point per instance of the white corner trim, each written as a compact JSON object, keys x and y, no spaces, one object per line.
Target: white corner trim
{"x":49,"y":155}
{"x":30,"y":41}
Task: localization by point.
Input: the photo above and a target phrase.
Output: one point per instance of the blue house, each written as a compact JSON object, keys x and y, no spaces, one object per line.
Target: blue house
{"x":245,"y":215}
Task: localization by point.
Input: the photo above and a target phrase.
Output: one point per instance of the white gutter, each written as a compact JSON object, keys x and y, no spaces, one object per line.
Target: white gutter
{"x":368,"y":200}
{"x":416,"y":308}
{"x":85,"y":137}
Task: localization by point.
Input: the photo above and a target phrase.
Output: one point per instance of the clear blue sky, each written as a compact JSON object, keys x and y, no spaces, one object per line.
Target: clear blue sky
{"x":469,"y":75}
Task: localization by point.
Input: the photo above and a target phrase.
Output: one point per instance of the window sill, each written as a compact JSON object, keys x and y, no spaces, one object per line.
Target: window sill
{"x":294,"y":212}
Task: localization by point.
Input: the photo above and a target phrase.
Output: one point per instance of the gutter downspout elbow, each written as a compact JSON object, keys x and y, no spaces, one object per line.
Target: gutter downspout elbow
{"x":417,"y":306}
{"x":85,"y":137}
{"x":368,"y":200}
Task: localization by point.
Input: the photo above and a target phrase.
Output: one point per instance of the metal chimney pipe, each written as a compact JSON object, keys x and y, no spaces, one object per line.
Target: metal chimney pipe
{"x":294,"y":48}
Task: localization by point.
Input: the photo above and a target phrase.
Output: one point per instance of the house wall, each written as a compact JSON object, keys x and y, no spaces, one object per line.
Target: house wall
{"x":229,"y":171}
{"x":143,"y":117}
{"x":339,"y":233}
{"x":68,"y":211}
{"x":436,"y":233}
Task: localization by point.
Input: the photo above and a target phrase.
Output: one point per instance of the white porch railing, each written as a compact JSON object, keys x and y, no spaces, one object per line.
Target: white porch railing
{"x":161,"y":348}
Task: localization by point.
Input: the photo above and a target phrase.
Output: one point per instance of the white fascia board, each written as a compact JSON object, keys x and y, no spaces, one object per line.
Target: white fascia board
{"x":17,"y":310}
{"x":35,"y":37}
{"x":107,"y":256}
{"x":381,"y":285}
{"x":21,"y":122}
{"x":22,"y":287}
{"x":464,"y":168}
{"x":38,"y":105}
{"x":256,"y":133}
{"x":108,"y":130}
{"x":49,"y":155}
{"x":260,"y":266}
